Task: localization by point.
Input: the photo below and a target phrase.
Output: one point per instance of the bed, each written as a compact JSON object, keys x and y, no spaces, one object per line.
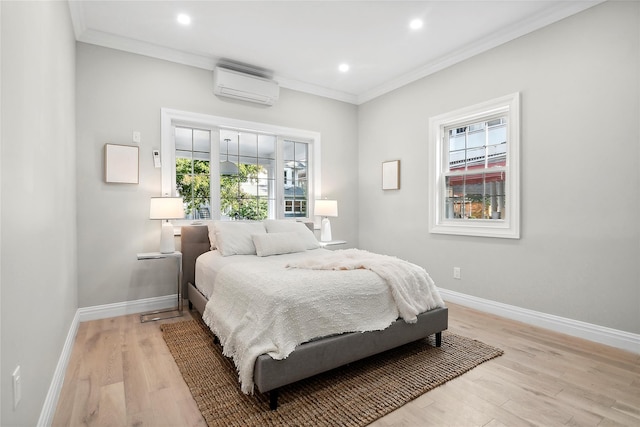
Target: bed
{"x":310,"y":357}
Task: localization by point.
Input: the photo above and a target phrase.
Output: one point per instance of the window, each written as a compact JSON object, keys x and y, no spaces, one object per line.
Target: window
{"x":295,"y":155}
{"x":247,"y":175}
{"x":231,"y":169}
{"x":193,"y":171}
{"x":474,"y":181}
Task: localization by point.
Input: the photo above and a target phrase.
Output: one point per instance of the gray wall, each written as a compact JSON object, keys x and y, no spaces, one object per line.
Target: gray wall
{"x":579,"y":255}
{"x":70,"y":240}
{"x":118,"y":93}
{"x":38,"y":185}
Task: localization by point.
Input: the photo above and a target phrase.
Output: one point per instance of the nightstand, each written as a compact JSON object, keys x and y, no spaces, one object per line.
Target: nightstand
{"x":332,"y":243}
{"x":169,"y":312}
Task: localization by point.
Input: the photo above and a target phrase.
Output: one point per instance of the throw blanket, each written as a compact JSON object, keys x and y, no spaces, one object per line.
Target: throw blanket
{"x":413,"y":290}
{"x":265,"y":308}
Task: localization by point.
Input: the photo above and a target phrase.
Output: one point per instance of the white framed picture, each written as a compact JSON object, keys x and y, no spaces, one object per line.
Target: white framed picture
{"x":391,"y":175}
{"x":121,"y":164}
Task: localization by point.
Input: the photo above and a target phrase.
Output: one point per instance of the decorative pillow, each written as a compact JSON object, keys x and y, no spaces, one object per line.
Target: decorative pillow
{"x":234,"y":237}
{"x":212,"y":233}
{"x":278,"y":243}
{"x":287,"y":226}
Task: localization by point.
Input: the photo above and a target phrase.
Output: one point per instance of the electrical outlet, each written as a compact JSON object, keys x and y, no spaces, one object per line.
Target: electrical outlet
{"x":17,"y":387}
{"x":136,"y":136}
{"x":456,"y":273}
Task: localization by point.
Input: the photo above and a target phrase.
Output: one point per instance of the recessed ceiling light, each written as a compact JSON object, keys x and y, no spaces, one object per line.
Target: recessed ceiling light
{"x":416,"y":24}
{"x":184,"y":19}
{"x":343,"y":68}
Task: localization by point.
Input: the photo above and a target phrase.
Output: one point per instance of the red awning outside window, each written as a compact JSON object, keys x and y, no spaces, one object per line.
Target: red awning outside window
{"x":477,"y":178}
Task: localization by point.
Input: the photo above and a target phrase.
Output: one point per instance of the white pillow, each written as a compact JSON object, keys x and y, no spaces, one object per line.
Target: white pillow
{"x":278,"y":243}
{"x":212,"y":233}
{"x":234,"y":237}
{"x":287,"y":226}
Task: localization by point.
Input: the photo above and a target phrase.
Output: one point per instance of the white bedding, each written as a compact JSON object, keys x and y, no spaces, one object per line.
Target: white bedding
{"x":209,"y":263}
{"x":258,"y":306}
{"x":411,"y":286}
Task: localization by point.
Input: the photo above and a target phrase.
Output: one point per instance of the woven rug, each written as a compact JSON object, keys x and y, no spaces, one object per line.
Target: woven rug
{"x":354,"y":395}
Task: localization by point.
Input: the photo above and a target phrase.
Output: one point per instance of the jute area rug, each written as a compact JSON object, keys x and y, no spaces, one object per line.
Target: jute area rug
{"x":354,"y":395}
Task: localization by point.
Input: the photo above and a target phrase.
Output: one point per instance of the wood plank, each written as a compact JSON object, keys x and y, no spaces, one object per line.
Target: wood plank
{"x":123,"y":367}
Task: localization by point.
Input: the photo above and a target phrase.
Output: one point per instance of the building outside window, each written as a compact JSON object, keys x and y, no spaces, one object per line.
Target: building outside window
{"x":476,"y":170}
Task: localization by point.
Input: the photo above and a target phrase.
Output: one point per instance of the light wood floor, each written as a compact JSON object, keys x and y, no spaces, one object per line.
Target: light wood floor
{"x":122,"y":374}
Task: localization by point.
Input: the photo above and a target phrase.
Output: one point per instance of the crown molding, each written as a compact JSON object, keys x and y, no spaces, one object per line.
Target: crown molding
{"x":535,"y":22}
{"x":76,"y":10}
{"x":125,"y":44}
{"x":111,"y":41}
{"x":316,"y":90}
{"x":560,"y":11}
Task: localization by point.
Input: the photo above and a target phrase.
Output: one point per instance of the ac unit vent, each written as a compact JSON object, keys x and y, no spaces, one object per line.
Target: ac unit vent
{"x":233,"y":84}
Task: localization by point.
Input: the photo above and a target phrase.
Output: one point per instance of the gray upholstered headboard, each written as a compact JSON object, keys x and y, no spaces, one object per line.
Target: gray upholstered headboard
{"x":194,"y":241}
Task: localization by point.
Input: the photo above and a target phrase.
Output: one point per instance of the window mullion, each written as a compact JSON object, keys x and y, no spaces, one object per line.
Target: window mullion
{"x":486,"y":145}
{"x":466,"y":150}
{"x":169,"y":157}
{"x":473,"y":171}
{"x":279,"y":190}
{"x":214,"y":170}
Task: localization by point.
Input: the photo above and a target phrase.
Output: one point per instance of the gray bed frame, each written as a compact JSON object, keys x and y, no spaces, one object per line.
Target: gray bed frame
{"x":315,"y":356}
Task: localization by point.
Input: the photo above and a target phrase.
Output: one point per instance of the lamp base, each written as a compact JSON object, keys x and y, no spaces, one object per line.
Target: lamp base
{"x":167,"y":242}
{"x":325,"y":230}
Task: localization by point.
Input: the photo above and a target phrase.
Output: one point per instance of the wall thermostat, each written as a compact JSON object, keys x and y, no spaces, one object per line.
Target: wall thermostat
{"x":156,"y":159}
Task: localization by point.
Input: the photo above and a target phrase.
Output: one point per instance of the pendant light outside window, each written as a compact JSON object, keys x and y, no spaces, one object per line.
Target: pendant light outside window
{"x":228,"y":168}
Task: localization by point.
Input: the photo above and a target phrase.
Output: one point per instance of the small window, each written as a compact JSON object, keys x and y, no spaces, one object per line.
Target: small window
{"x":474,"y":184}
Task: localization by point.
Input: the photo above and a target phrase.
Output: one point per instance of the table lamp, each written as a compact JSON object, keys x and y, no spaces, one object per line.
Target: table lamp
{"x":325,"y":208}
{"x":166,"y":208}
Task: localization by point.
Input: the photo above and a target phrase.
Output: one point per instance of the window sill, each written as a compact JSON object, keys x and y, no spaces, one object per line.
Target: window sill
{"x":477,"y":228}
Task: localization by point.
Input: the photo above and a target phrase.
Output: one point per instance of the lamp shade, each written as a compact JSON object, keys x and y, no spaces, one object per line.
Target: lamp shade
{"x":228,"y":168}
{"x":166,"y":208}
{"x":326,"y":208}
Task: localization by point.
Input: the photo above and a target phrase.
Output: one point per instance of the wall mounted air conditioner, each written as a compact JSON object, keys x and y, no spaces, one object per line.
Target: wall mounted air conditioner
{"x":246,"y":87}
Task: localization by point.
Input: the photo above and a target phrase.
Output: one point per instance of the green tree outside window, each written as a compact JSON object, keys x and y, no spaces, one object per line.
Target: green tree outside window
{"x":193,"y":183}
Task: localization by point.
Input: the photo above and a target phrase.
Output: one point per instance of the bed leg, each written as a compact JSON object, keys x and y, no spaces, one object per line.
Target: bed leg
{"x":438,"y":339}
{"x":273,"y":399}
{"x":190,"y":306}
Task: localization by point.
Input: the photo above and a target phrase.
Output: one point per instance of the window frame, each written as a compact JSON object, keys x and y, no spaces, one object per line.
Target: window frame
{"x":509,"y":227}
{"x":170,"y":118}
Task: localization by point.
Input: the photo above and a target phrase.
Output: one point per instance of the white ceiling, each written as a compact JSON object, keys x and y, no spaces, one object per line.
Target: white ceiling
{"x":303,"y":42}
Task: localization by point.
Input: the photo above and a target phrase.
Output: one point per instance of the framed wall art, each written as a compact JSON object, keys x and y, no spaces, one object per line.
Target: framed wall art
{"x":391,"y":175}
{"x":121,"y":164}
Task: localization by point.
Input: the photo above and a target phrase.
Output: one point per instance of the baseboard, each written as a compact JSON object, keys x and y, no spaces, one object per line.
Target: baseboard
{"x":82,"y":315}
{"x":51,"y":400}
{"x":600,"y":334}
{"x":126,"y":307}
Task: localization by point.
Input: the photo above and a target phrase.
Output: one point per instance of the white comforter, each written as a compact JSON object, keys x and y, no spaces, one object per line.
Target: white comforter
{"x":258,"y":308}
{"x":411,"y":286}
